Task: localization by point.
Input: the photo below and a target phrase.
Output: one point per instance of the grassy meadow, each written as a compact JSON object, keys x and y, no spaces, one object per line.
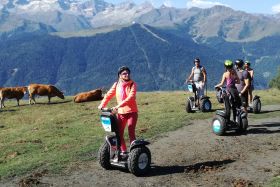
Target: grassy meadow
{"x":55,"y":136}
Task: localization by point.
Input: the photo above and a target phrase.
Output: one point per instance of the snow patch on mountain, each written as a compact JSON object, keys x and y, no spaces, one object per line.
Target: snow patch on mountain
{"x":93,"y":13}
{"x":123,"y":13}
{"x":38,"y":5}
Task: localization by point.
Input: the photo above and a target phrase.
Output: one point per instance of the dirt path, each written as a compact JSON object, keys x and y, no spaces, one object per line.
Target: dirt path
{"x":192,"y":156}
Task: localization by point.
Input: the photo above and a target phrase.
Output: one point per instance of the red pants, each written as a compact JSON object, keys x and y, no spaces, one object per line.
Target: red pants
{"x":130,"y":119}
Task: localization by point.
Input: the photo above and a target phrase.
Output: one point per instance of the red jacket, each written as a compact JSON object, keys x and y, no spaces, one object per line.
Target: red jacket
{"x":126,"y":105}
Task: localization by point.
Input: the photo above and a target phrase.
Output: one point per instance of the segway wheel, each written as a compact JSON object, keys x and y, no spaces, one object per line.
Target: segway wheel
{"x":139,"y":161}
{"x":104,"y":156}
{"x":218,"y":96}
{"x":257,"y":106}
{"x":189,"y":106}
{"x":219,"y":125}
{"x":205,"y":105}
{"x":220,"y":100}
{"x":244,"y":125}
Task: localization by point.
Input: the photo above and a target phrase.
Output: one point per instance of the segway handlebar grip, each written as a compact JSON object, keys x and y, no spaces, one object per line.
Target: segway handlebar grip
{"x":106,"y":109}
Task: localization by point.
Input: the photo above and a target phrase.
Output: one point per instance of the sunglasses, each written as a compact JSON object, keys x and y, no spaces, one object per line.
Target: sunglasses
{"x":124,"y":73}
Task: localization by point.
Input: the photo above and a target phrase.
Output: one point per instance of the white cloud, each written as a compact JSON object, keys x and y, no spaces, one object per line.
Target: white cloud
{"x":203,"y":4}
{"x":276,"y":8}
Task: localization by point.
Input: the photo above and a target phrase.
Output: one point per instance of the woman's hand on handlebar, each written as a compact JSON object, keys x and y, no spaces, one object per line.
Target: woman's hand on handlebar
{"x":115,"y":109}
{"x":188,"y":81}
{"x":218,"y":87}
{"x":103,"y":108}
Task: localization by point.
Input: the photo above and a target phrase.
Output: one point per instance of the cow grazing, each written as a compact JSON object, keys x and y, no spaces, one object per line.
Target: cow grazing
{"x":43,"y":90}
{"x":12,"y":93}
{"x":93,"y":95}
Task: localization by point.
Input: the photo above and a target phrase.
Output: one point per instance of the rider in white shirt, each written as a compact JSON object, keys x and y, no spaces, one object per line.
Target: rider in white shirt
{"x":199,"y":78}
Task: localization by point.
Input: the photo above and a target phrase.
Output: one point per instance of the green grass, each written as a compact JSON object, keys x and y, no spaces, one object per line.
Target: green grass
{"x":275,"y":182}
{"x":54,"y":136}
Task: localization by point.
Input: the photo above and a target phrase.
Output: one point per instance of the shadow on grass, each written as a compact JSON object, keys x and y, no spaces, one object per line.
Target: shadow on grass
{"x":267,"y":124}
{"x":262,"y":131}
{"x":53,"y":103}
{"x":267,"y":111}
{"x":195,"y":168}
{"x":265,"y":128}
{"x":7,"y":110}
{"x":257,"y":129}
{"x":37,"y":103}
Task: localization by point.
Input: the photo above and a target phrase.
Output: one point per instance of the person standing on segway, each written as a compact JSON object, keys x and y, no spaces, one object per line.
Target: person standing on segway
{"x":125,"y":91}
{"x":199,"y":78}
{"x":251,"y":72}
{"x":244,"y":85}
{"x":231,"y":78}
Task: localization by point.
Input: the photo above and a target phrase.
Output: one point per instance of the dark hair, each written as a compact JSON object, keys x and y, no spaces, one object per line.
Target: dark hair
{"x":123,"y":68}
{"x":239,"y":62}
{"x":196,"y":60}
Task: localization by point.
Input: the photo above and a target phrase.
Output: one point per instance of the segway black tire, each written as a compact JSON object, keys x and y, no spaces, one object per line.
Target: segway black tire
{"x":189,"y":106}
{"x":257,"y":106}
{"x":244,"y":125}
{"x":104,"y":156}
{"x":220,"y":100}
{"x":219,"y":125}
{"x":134,"y":158}
{"x":205,"y":105}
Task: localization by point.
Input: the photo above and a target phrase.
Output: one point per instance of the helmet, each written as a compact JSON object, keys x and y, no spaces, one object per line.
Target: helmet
{"x":228,"y":64}
{"x":239,"y":62}
{"x":247,"y":62}
{"x":123,"y":68}
{"x":196,"y":60}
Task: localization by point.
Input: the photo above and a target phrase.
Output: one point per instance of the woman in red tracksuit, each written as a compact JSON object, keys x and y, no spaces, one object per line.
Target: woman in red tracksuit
{"x":125,"y":92}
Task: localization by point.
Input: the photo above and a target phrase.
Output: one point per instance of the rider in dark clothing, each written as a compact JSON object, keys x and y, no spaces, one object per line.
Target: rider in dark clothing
{"x":244,"y":85}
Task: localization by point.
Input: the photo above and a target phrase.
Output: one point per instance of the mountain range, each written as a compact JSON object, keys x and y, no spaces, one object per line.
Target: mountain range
{"x":77,"y":15}
{"x":69,"y":42}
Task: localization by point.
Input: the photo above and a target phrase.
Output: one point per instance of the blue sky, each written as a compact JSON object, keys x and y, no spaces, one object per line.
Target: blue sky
{"x":250,"y":6}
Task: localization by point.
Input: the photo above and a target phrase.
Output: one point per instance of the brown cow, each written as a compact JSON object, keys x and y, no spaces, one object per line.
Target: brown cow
{"x":93,"y":95}
{"x":43,"y":90}
{"x":12,"y":93}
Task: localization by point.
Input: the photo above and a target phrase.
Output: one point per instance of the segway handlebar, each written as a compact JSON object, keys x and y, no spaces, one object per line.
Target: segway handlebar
{"x":189,"y":81}
{"x":218,"y":88}
{"x":106,"y":109}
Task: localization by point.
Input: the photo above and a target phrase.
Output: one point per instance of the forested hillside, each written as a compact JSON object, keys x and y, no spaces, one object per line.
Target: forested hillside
{"x":160,"y":59}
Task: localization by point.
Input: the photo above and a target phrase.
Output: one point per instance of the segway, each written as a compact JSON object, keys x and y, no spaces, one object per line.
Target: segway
{"x":257,"y":105}
{"x":205,"y":104}
{"x":222,"y":123}
{"x":219,"y":94}
{"x":137,"y":160}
